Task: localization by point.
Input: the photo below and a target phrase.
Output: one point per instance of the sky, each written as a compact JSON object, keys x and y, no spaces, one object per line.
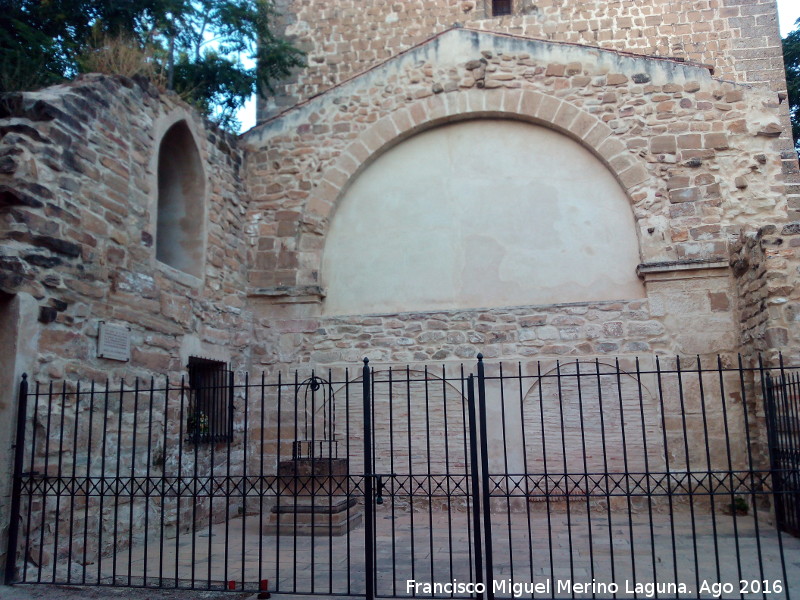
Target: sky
{"x":788,"y":13}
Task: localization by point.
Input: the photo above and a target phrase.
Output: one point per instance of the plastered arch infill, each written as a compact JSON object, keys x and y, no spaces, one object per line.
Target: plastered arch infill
{"x":523,"y":105}
{"x":161,"y":126}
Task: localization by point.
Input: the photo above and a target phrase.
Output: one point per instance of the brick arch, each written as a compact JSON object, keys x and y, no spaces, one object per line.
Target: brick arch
{"x":523,"y":105}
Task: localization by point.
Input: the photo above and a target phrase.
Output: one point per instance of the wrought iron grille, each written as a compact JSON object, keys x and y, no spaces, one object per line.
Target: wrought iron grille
{"x":501,"y":7}
{"x":210,"y":418}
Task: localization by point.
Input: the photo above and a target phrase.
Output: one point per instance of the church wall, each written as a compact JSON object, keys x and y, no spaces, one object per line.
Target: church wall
{"x":78,"y":198}
{"x":78,"y":224}
{"x":739,"y":40}
{"x":698,"y":158}
{"x":765,"y":264}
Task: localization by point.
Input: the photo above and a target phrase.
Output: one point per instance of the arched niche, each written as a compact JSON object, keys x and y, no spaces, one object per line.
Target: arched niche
{"x":180,"y":227}
{"x":479,"y":214}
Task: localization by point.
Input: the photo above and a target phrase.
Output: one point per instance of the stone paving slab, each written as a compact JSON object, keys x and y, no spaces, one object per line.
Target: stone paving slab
{"x":534,"y":547}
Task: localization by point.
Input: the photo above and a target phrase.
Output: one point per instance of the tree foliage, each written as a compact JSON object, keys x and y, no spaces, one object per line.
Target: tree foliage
{"x":791,"y":59}
{"x":199,"y":48}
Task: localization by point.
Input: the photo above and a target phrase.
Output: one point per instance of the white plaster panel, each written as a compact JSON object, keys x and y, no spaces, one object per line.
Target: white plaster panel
{"x":483,"y":213}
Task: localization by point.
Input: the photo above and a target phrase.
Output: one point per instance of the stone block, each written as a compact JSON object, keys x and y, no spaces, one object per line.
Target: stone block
{"x":634,"y":175}
{"x":684,"y":195}
{"x":664,"y":144}
{"x":691,"y":141}
{"x":616,"y":79}
{"x":529,"y":102}
{"x":565,"y":116}
{"x":555,"y":70}
{"x":548,"y":108}
{"x":717,"y":141}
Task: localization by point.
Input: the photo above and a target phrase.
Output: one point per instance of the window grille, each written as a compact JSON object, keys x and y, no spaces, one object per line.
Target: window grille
{"x":210,"y":402}
{"x":501,"y":7}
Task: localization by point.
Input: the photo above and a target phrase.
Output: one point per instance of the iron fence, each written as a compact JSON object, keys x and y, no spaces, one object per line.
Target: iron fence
{"x":783,"y":416}
{"x":584,"y":478}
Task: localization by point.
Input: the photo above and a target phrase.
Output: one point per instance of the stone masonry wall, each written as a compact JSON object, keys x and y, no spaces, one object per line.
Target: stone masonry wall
{"x":526,"y":334}
{"x":78,"y":203}
{"x":78,"y":195}
{"x":766,"y":264}
{"x":698,"y":157}
{"x":529,"y":332}
{"x":739,"y":39}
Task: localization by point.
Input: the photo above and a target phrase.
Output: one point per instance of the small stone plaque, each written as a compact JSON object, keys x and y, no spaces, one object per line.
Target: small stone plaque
{"x":114,"y":342}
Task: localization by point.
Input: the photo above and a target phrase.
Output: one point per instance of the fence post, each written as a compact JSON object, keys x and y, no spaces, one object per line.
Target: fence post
{"x":369,"y":533}
{"x":772,"y":445}
{"x":486,"y":495}
{"x":475,"y":470}
{"x":16,"y":490}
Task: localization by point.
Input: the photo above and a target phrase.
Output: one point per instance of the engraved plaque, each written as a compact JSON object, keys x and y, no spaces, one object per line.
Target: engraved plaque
{"x":114,"y":342}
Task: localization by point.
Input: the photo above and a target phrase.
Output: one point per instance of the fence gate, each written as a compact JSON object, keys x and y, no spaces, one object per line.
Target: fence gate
{"x":620,"y":478}
{"x":599,"y":478}
{"x":332,"y":483}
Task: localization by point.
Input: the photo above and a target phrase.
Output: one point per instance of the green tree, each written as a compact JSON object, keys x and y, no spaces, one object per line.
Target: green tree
{"x":791,"y":59}
{"x":196,"y":47}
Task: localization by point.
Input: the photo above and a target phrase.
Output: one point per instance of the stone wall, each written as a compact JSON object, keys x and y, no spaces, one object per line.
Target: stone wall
{"x":130,"y":434}
{"x":698,"y":158}
{"x":528,"y":334}
{"x":738,"y":39}
{"x":766,"y":263}
{"x":78,"y":202}
{"x":448,"y":336}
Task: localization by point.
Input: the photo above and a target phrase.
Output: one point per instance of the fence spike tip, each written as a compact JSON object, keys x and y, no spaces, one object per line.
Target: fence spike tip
{"x":480,"y":356}
{"x":366,"y":361}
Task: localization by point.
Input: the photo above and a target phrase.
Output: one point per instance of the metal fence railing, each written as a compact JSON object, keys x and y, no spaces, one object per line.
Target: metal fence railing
{"x":586,"y":478}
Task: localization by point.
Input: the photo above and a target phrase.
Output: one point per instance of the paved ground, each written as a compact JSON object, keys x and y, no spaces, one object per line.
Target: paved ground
{"x":33,"y":592}
{"x":548,"y":548}
{"x":30,"y":592}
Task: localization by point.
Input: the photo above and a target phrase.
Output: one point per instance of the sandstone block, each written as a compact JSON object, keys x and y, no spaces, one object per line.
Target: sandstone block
{"x":684,"y":195}
{"x":717,"y":141}
{"x":664,"y":144}
{"x":555,"y":70}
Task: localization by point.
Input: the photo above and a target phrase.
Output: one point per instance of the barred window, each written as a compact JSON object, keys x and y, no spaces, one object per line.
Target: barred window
{"x":210,"y":417}
{"x":501,"y":7}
